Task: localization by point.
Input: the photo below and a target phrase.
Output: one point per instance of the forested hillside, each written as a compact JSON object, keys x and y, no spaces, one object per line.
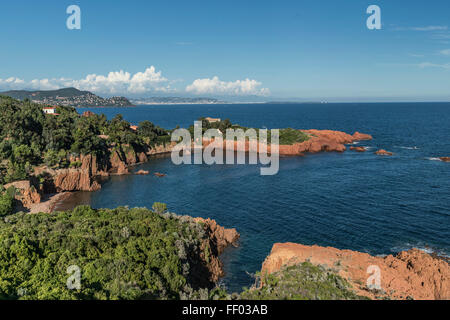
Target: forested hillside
{"x":28,"y":137}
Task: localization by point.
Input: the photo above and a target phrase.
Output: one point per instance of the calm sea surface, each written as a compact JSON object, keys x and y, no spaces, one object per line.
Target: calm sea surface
{"x":357,"y":201}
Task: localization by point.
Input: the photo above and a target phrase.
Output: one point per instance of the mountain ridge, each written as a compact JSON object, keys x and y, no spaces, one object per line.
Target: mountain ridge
{"x":70,"y":97}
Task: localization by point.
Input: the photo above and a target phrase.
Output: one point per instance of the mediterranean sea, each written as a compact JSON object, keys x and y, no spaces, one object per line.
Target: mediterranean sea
{"x":358,"y":201}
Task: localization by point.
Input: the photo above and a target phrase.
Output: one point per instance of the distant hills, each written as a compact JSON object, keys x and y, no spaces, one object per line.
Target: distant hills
{"x":68,"y":97}
{"x":175,"y":100}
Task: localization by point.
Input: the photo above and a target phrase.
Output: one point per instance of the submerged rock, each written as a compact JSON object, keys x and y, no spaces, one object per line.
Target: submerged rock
{"x":142,"y":172}
{"x":383,"y":152}
{"x":160,"y":175}
{"x":358,"y":149}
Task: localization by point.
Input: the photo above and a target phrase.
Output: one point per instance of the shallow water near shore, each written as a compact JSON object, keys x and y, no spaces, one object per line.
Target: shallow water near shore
{"x":358,"y":201}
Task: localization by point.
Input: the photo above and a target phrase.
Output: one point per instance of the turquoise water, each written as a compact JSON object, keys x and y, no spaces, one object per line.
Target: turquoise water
{"x":357,"y":201}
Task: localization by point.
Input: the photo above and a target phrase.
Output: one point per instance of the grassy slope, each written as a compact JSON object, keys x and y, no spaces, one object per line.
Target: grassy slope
{"x":302,"y":282}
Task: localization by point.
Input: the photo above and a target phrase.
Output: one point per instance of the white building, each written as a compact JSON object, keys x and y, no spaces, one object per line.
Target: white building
{"x":49,"y":110}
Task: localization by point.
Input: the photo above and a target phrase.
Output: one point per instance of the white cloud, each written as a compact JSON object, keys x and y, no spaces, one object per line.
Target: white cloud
{"x":425,"y":28}
{"x":119,"y":82}
{"x":11,"y":83}
{"x":433,"y":65}
{"x":238,"y":87}
{"x":430,"y":28}
{"x":445,"y":52}
{"x":415,"y":55}
{"x":146,"y":82}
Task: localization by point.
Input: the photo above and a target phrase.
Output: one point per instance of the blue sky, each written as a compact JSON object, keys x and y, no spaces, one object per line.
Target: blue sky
{"x":244,"y":50}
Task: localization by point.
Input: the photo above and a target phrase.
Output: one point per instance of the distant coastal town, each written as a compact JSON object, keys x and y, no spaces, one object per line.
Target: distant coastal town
{"x":72,"y":97}
{"x":68,"y":97}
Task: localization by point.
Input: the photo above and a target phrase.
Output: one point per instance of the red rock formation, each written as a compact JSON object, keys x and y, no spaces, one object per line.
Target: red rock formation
{"x":358,"y":149}
{"x":75,"y":180}
{"x":131,"y":158}
{"x":410,"y":274}
{"x":361,"y":136}
{"x":321,"y":140}
{"x":219,"y":239}
{"x":84,"y":177}
{"x":30,"y":197}
{"x":142,"y":172}
{"x":118,"y":164}
{"x":445,"y":159}
{"x":27,"y":194}
{"x":88,"y":114}
{"x":80,"y":179}
{"x":383,"y":152}
{"x":160,"y":175}
{"x":142,"y":157}
{"x":220,"y":236}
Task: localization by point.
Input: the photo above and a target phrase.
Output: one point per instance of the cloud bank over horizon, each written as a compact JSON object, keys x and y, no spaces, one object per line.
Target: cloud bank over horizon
{"x":216,"y":86}
{"x":149,"y":81}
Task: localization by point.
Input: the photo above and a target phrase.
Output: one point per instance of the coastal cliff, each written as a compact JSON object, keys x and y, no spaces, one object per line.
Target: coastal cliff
{"x":219,"y":238}
{"x":85,"y":176}
{"x":411,"y":274}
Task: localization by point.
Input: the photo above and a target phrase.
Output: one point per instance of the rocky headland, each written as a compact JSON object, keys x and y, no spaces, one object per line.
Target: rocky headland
{"x":319,"y":141}
{"x":411,"y":274}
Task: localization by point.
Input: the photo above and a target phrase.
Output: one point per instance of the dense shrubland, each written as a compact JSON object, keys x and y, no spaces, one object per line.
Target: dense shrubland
{"x":121,"y":253}
{"x":28,"y":137}
{"x":6,"y":201}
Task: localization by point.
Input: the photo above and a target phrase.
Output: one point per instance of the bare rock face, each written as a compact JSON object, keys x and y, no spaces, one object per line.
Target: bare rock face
{"x":27,"y":194}
{"x":131,"y":158}
{"x":220,"y":236}
{"x":142,"y":157}
{"x":357,"y":136}
{"x":118,"y":164}
{"x":329,"y":140}
{"x":161,"y":149}
{"x":445,"y":159}
{"x":383,"y":152}
{"x":75,"y":180}
{"x":30,"y":196}
{"x":410,"y":274}
{"x":80,"y":179}
{"x":219,"y":239}
{"x":142,"y":173}
{"x":88,"y":114}
{"x":358,"y":149}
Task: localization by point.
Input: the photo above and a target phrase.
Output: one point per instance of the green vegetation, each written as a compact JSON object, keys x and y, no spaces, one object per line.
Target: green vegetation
{"x":291,"y":136}
{"x":302,"y":282}
{"x":287,"y":136}
{"x":121,"y":254}
{"x":6,"y":201}
{"x":29,"y":138}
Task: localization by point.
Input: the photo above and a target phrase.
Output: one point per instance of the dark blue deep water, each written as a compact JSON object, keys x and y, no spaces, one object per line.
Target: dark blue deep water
{"x":363,"y":202}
